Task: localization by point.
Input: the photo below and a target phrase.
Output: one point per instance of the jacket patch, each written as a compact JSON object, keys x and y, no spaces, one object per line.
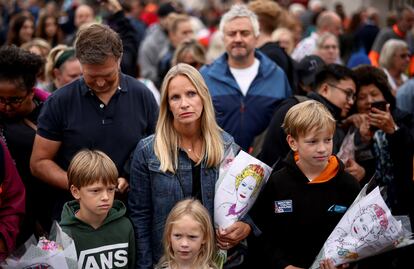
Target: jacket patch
{"x":109,"y":256}
{"x":337,"y":209}
{"x":283,"y":206}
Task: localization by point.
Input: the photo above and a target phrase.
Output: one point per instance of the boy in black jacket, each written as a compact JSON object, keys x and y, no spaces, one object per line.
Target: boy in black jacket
{"x":303,"y":202}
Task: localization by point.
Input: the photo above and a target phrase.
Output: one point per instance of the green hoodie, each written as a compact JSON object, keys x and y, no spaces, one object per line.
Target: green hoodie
{"x":110,"y":246}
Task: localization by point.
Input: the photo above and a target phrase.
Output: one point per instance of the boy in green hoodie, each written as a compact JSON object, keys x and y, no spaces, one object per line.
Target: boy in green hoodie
{"x":103,"y":236}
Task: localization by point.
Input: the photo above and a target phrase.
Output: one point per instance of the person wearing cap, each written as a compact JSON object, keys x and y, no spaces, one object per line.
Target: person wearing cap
{"x":155,"y":41}
{"x":104,"y":110}
{"x":245,"y":85}
{"x":306,"y":71}
{"x":334,"y":87}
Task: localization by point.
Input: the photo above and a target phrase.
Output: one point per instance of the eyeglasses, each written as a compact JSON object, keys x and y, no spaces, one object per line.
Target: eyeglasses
{"x":14,"y":101}
{"x":350,"y":95}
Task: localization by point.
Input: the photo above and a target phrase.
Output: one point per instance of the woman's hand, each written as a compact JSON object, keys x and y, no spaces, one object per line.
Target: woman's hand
{"x":382,"y":119}
{"x":365,"y":131}
{"x":328,"y":264}
{"x":231,"y":236}
{"x":122,"y":185}
{"x":355,"y":169}
{"x":356,"y":119}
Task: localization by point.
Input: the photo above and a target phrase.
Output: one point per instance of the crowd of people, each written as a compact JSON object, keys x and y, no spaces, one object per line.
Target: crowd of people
{"x":116,"y":115}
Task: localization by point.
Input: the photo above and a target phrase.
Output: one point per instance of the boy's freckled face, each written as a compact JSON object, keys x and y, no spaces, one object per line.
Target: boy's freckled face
{"x":95,"y":199}
{"x":314,"y":148}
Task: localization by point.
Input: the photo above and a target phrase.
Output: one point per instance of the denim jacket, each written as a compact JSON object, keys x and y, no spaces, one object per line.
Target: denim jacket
{"x":154,"y":193}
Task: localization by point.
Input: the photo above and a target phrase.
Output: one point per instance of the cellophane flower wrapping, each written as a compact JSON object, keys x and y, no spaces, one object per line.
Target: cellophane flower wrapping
{"x":57,"y":252}
{"x":367,"y":228}
{"x":241,"y":178}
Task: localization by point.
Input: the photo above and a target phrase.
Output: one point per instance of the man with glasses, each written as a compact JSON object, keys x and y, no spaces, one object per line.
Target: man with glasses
{"x":335,"y":87}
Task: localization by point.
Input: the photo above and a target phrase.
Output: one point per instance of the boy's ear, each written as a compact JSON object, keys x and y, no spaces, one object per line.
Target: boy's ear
{"x":324,"y":89}
{"x":75,"y":192}
{"x":292,"y":142}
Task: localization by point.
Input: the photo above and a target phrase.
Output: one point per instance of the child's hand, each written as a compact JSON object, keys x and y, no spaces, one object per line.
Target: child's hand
{"x":328,"y":264}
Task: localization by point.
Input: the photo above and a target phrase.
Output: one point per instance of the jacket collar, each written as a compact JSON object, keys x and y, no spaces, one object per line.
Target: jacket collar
{"x":335,"y":111}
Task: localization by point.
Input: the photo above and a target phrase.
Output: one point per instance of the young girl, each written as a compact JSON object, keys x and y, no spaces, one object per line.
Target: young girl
{"x":188,"y":238}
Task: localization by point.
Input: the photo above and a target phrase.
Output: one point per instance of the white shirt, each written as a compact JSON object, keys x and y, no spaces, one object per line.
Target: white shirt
{"x":392,"y":82}
{"x":305,"y":47}
{"x":244,"y":77}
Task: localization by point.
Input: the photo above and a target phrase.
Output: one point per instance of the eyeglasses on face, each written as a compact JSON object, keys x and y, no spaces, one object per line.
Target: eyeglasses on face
{"x":14,"y":101}
{"x":350,"y":95}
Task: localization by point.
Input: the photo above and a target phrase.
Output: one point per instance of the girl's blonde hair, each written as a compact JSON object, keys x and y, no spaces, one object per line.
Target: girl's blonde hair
{"x":166,"y":141}
{"x":194,"y":209}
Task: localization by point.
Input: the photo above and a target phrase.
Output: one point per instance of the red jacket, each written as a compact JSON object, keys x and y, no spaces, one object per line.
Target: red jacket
{"x":12,"y":201}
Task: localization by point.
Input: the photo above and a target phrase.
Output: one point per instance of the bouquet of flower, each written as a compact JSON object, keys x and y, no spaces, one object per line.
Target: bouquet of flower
{"x":366,"y":229}
{"x":57,"y":252}
{"x":240,"y":180}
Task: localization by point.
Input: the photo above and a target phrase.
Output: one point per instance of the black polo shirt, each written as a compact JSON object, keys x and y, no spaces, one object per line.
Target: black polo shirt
{"x":74,"y":116}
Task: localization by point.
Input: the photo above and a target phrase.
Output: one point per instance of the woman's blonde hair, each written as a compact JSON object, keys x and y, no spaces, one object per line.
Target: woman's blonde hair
{"x":190,"y":46}
{"x":194,"y":209}
{"x":67,"y":54}
{"x":166,"y":137}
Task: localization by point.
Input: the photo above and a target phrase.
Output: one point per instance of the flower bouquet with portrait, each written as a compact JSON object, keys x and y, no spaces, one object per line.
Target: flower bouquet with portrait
{"x":240,"y":180}
{"x":56,"y":252}
{"x":368,"y":228}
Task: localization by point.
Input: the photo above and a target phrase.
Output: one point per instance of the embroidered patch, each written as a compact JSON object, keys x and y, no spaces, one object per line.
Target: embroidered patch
{"x":283,"y":206}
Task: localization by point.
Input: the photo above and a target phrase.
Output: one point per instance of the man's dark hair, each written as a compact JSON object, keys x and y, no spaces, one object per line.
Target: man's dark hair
{"x":332,"y":73}
{"x":96,"y":42}
{"x":19,"y":66}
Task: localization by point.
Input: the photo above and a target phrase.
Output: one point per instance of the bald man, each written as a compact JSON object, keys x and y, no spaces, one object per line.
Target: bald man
{"x":84,"y":14}
{"x":328,"y":21}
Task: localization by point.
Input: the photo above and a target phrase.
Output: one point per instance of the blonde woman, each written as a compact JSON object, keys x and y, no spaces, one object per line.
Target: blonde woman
{"x":180,"y":160}
{"x":62,"y":66}
{"x":394,"y":60}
